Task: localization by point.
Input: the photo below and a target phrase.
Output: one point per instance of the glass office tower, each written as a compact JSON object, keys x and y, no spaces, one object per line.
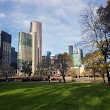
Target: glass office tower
{"x":24,"y":49}
{"x":5,"y":47}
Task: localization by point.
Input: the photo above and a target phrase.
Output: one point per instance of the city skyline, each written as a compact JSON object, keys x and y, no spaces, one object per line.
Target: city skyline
{"x":59,"y":21}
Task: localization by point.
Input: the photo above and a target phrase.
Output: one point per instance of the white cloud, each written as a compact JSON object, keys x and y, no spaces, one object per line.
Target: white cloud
{"x":2,"y":15}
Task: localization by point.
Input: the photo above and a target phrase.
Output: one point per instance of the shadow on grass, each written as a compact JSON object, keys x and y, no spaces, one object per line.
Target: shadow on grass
{"x":54,"y":96}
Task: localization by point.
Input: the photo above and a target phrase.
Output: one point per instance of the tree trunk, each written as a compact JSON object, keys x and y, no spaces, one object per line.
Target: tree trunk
{"x":49,"y":78}
{"x":63,"y":78}
{"x":30,"y":78}
{"x":107,"y":70}
{"x":6,"y":78}
{"x":94,"y":74}
{"x":94,"y":77}
{"x":103,"y":78}
{"x":109,"y":81}
{"x":108,"y":77}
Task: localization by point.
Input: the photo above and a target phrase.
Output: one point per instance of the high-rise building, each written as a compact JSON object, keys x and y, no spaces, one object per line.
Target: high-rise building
{"x":5,"y":47}
{"x":77,"y":58}
{"x":24,"y":49}
{"x":13,"y":57}
{"x":48,"y":54}
{"x":36,"y":32}
{"x":30,"y":46}
{"x":48,"y":59}
{"x":70,"y":50}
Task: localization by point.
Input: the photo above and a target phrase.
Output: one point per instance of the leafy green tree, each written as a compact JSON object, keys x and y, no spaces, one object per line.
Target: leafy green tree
{"x":73,"y":72}
{"x":40,"y":72}
{"x":95,"y":62}
{"x":64,"y":60}
{"x":27,"y":68}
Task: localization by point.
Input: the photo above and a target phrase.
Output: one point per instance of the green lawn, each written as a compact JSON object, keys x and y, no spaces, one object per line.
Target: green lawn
{"x":54,"y":96}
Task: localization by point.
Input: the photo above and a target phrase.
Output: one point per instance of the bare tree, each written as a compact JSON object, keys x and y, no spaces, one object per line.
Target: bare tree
{"x":95,"y":24}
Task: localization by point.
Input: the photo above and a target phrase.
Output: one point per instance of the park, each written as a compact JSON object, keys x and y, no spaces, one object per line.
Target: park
{"x":75,"y":80}
{"x":54,"y":96}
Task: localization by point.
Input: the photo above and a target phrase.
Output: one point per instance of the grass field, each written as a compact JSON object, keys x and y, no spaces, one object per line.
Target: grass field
{"x":54,"y":96}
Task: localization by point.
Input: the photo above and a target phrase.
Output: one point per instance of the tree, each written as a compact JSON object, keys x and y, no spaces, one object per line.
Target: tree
{"x":73,"y":72}
{"x":63,"y":61}
{"x":96,"y":30}
{"x":27,"y":68}
{"x":40,"y":71}
{"x":94,"y":62}
{"x":4,"y":68}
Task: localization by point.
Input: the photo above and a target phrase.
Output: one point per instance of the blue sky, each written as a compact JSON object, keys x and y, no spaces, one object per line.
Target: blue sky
{"x":60,"y":20}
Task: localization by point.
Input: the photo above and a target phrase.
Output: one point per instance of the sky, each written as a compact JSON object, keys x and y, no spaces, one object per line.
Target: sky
{"x":59,"y":18}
